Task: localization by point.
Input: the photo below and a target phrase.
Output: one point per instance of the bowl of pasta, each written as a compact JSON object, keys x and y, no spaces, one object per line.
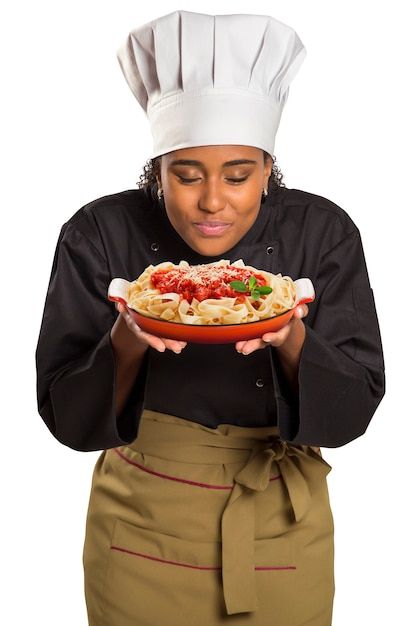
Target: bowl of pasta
{"x":218,"y":302}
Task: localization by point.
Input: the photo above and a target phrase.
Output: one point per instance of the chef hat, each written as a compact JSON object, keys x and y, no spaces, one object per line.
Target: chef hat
{"x":211,"y":79}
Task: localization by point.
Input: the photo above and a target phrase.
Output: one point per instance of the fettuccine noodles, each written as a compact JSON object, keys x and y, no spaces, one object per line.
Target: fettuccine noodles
{"x":146,"y":299}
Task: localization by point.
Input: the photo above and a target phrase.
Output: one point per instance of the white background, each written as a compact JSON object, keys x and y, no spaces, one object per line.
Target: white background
{"x":71,"y":132}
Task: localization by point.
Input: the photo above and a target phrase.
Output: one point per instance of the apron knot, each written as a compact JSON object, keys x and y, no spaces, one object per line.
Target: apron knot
{"x":256,"y":473}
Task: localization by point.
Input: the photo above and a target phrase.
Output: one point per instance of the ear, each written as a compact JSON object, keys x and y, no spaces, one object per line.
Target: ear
{"x":267,"y":170}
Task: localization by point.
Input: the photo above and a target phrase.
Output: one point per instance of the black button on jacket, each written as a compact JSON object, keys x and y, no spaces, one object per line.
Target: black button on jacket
{"x":341,"y":372}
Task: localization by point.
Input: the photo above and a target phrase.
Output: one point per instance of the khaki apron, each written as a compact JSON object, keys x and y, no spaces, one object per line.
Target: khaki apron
{"x":201,"y":526}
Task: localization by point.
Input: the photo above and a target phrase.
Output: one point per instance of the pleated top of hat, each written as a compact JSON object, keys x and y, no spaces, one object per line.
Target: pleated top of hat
{"x":211,"y":79}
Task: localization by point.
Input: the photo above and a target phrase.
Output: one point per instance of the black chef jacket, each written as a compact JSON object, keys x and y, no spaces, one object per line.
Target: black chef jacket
{"x":299,"y":234}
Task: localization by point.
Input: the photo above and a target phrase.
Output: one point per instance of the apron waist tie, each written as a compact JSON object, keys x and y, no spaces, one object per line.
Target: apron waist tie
{"x":301,"y":473}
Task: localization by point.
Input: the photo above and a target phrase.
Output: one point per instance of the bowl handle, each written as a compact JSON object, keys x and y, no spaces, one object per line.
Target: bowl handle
{"x":117,"y":290}
{"x":304,"y":291}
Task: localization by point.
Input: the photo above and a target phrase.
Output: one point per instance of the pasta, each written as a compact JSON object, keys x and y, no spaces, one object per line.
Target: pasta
{"x":203,"y":294}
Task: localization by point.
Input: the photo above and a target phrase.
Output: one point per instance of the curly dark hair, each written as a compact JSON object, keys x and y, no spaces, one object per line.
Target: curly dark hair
{"x":153,"y":166}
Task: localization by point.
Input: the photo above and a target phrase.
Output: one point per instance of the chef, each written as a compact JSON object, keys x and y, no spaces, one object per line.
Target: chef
{"x":209,"y":501}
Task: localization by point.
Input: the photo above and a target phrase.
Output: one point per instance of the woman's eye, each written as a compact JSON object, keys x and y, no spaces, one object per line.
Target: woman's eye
{"x":232,"y":180}
{"x":187,"y":180}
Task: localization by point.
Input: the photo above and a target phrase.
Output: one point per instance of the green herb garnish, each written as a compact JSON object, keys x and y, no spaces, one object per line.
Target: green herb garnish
{"x":255,"y":289}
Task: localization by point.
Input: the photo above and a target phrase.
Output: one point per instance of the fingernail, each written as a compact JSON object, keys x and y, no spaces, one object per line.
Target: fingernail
{"x":267,"y":340}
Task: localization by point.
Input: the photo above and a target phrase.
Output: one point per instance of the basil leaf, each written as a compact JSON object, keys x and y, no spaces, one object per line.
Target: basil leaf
{"x":264,"y":289}
{"x":252,"y":282}
{"x":255,"y":294}
{"x":237,"y":285}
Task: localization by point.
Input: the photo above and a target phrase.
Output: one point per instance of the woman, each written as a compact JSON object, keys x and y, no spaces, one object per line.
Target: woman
{"x":209,"y":503}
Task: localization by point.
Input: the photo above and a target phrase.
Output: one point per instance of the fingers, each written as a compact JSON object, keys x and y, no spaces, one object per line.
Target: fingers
{"x":246,"y":347}
{"x":277,"y":338}
{"x":175,"y":345}
{"x":158,"y":343}
{"x":301,"y":311}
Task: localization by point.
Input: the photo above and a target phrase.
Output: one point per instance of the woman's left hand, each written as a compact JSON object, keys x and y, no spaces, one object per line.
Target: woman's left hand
{"x":274,"y":339}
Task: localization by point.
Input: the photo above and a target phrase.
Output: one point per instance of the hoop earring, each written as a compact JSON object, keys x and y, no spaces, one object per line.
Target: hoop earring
{"x":263,"y":195}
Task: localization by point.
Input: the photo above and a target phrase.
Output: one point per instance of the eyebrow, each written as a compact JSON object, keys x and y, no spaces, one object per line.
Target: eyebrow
{"x":199,"y":163}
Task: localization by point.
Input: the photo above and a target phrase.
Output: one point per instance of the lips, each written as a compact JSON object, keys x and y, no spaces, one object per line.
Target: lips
{"x":212,"y":223}
{"x":212,"y":228}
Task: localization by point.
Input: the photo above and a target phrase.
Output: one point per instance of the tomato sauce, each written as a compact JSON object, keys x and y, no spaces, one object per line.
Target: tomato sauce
{"x":202,"y":281}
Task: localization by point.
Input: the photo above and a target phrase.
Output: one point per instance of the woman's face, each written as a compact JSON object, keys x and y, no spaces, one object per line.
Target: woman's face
{"x":214,"y":183}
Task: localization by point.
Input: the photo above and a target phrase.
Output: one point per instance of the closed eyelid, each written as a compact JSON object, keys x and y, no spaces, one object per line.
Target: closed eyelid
{"x":236,"y":179}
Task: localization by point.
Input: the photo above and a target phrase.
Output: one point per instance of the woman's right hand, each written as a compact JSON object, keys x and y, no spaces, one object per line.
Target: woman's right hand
{"x":158,"y":343}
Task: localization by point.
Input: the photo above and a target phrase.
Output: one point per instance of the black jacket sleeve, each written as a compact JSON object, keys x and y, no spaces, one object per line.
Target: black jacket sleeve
{"x":341,"y":371}
{"x":75,"y":363}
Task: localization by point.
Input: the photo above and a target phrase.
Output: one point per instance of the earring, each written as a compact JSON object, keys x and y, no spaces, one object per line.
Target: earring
{"x":265,"y":193}
{"x":160,"y":193}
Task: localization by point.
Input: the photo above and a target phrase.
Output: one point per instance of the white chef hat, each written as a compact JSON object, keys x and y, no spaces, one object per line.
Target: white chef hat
{"x":211,"y":79}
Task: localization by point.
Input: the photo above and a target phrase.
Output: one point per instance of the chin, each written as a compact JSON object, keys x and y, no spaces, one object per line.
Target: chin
{"x":212,"y":249}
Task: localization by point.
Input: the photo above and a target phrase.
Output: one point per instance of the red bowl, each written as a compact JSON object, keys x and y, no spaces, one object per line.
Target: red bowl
{"x":211,"y":333}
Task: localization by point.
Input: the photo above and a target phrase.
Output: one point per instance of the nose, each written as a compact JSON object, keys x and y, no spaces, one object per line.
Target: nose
{"x":211,"y":197}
